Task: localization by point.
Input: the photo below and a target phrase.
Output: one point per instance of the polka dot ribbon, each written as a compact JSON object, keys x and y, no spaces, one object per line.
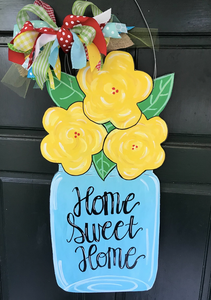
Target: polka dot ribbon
{"x":64,"y":36}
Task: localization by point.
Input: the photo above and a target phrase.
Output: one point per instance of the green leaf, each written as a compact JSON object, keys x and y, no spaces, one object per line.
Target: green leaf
{"x":67,"y":90}
{"x":159,"y":97}
{"x":103,"y":164}
{"x":109,"y":126}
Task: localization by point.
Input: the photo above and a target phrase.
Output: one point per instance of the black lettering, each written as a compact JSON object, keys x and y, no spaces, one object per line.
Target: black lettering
{"x":83,"y":261}
{"x":77,"y":206}
{"x":130,"y":233}
{"x":82,"y":237}
{"x":129,"y":198}
{"x":131,"y":254}
{"x":106,"y":225}
{"x":94,"y":211}
{"x":90,"y":254}
{"x":118,"y":224}
{"x":101,"y":255}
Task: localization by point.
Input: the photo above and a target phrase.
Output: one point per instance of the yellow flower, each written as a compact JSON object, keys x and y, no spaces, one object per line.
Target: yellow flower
{"x":112,"y":94}
{"x":138,"y":148}
{"x":72,"y":139}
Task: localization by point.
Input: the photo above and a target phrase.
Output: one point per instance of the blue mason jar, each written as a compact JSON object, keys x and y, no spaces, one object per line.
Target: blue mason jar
{"x":105,"y":234}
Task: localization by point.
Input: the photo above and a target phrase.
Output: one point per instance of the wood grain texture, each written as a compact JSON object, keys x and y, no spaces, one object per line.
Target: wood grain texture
{"x":189,"y":109}
{"x":180,"y":16}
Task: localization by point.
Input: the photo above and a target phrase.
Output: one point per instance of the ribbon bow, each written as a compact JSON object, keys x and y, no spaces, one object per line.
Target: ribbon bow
{"x":91,"y":31}
{"x":87,"y":27}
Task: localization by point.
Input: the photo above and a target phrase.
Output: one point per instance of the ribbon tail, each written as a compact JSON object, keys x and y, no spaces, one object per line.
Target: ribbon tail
{"x":99,"y":39}
{"x":54,"y":53}
{"x":41,"y":41}
{"x":78,"y":55}
{"x":41,"y":65}
{"x":57,"y":68}
{"x":16,"y":57}
{"x":104,"y":17}
{"x":51,"y":80}
{"x":94,"y":56}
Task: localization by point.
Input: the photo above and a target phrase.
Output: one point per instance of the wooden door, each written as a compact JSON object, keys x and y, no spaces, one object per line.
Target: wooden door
{"x":185,"y":250}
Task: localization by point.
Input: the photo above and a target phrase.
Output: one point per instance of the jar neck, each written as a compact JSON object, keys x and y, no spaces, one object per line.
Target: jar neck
{"x":114,"y":173}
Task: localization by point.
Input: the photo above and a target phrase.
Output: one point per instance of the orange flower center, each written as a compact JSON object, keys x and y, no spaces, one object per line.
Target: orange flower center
{"x":114,"y":90}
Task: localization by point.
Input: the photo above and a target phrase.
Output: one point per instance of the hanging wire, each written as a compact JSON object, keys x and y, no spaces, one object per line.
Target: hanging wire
{"x":66,"y":60}
{"x":67,"y":67}
{"x":68,"y":64}
{"x":150,"y":34}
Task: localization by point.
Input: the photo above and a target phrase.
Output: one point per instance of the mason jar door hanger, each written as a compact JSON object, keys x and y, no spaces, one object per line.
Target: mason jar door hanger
{"x":105,"y":134}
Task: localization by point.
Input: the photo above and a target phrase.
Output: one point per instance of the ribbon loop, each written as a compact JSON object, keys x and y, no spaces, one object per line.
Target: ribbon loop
{"x":79,"y":8}
{"x":65,"y":39}
{"x":87,"y":33}
{"x":39,"y":11}
{"x":47,"y":7}
{"x":70,"y":21}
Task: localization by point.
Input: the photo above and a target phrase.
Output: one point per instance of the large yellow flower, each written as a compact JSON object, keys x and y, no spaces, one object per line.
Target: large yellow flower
{"x":138,"y":148}
{"x":72,"y":138}
{"x":112,"y":94}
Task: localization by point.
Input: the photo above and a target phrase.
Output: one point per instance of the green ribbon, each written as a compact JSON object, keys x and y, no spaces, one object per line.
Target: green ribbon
{"x":41,"y":65}
{"x":39,"y":11}
{"x":11,"y":46}
{"x":87,"y":33}
{"x":80,"y":6}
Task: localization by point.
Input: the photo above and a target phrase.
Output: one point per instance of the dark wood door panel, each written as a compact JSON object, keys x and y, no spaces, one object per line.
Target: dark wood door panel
{"x":189,"y":108}
{"x":180,"y":16}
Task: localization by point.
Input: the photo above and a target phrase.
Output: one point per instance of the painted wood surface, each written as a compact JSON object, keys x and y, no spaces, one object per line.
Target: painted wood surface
{"x":185,"y":252}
